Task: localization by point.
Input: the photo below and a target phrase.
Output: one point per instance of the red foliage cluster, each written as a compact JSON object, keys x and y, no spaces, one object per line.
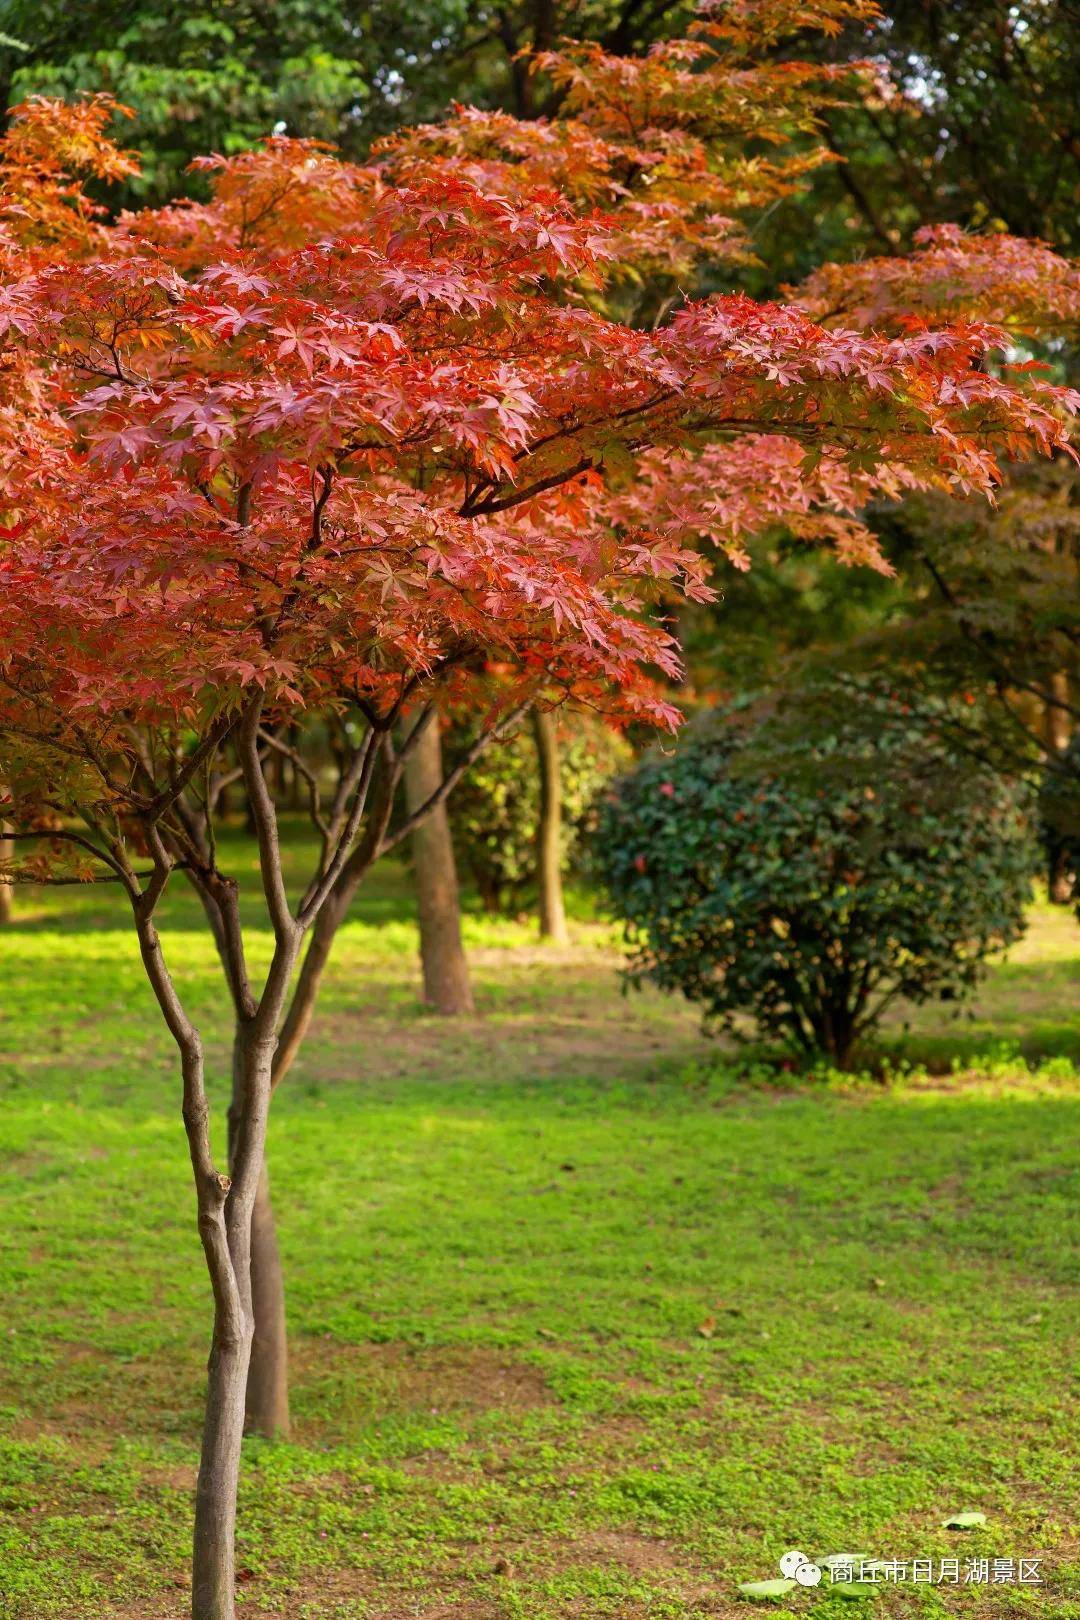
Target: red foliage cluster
{"x":342,"y":432}
{"x":1022,"y":285}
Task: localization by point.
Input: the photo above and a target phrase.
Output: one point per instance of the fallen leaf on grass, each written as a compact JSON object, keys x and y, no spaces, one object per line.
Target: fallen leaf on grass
{"x":767,"y":1589}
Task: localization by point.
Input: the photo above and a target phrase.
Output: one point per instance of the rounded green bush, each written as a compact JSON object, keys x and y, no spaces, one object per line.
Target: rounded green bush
{"x":811,"y":868}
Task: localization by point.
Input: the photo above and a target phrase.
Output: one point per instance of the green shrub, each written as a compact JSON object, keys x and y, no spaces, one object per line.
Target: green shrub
{"x":810,"y":868}
{"x":495,"y":810}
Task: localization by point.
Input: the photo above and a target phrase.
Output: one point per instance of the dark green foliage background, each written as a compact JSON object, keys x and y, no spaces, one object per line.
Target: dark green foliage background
{"x":495,"y":810}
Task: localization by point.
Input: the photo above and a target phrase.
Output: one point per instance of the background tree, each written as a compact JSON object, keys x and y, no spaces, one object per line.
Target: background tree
{"x":219,"y":78}
{"x":495,"y":813}
{"x":973,"y":124}
{"x":996,"y":590}
{"x":679,"y":145}
{"x":549,"y":834}
{"x":443,"y":963}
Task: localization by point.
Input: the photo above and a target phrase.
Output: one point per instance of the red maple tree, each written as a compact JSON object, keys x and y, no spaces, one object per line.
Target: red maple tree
{"x":339,"y":445}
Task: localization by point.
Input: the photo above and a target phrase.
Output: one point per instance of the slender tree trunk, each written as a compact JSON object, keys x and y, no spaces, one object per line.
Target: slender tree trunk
{"x":7,"y":849}
{"x":442,"y":955}
{"x":549,"y":832}
{"x":214,"y":1560}
{"x":1059,"y":877}
{"x":1057,"y":714}
{"x":224,"y":1206}
{"x":302,"y":1008}
{"x":1059,"y":882}
{"x":266,"y":1404}
{"x":225,"y":1222}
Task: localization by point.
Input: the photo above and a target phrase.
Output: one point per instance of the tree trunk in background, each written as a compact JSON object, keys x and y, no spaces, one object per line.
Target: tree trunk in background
{"x":1059,"y":878}
{"x":1057,"y":714}
{"x":7,"y":849}
{"x":442,"y":955}
{"x":549,"y":832}
{"x":1059,"y":883}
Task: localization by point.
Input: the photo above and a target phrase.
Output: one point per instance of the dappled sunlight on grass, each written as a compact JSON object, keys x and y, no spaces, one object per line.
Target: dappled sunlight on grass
{"x":590,"y":1315}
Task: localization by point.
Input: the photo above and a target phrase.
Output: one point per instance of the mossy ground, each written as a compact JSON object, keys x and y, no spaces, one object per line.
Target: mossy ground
{"x":589,"y":1317}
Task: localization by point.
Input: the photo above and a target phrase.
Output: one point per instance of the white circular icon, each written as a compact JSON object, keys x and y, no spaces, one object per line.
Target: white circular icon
{"x":791,"y":1561}
{"x":808,"y":1574}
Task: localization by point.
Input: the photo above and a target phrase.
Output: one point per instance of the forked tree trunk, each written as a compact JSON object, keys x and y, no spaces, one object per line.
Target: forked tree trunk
{"x":267,"y":1395}
{"x":442,"y":954}
{"x":225,"y":1220}
{"x":549,"y":831}
{"x":224,"y":1211}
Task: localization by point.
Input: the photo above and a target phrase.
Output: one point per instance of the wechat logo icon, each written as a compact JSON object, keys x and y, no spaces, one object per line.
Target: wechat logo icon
{"x":796,"y":1565}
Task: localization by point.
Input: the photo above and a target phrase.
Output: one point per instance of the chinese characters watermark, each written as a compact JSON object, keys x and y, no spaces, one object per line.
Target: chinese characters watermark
{"x":848,"y":1568}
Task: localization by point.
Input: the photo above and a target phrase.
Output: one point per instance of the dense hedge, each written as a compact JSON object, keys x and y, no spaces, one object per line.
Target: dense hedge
{"x":811,"y":868}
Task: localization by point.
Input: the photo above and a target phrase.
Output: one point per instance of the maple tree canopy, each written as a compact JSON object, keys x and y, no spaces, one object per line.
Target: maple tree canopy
{"x":334,"y":436}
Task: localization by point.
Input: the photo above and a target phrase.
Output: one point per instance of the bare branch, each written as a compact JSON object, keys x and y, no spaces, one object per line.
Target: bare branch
{"x":320,"y":888}
{"x":303,"y":769}
{"x":264,"y":814}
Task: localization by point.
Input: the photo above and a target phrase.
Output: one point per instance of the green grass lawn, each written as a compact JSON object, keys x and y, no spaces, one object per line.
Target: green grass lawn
{"x":589,"y":1318}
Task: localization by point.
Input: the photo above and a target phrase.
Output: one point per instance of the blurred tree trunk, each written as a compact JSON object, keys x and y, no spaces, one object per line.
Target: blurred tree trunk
{"x":7,"y":850}
{"x":1059,"y":881}
{"x":549,"y":831}
{"x":442,"y":955}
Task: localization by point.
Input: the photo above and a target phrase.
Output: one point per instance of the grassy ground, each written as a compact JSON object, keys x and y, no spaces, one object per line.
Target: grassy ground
{"x":588,"y":1317}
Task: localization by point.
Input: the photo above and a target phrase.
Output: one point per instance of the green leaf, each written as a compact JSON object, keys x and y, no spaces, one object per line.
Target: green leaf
{"x":964,"y":1521}
{"x":617,"y":457}
{"x":767,"y":1589}
{"x":853,"y":1589}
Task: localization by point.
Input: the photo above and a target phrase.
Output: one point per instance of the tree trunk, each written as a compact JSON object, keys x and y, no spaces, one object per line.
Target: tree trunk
{"x":549,"y":831}
{"x":1059,"y":877}
{"x":1059,"y":880}
{"x":442,"y":955}
{"x":267,"y":1402}
{"x":213,"y":1583}
{"x":1057,"y":714}
{"x":7,"y":849}
{"x":225,"y":1222}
